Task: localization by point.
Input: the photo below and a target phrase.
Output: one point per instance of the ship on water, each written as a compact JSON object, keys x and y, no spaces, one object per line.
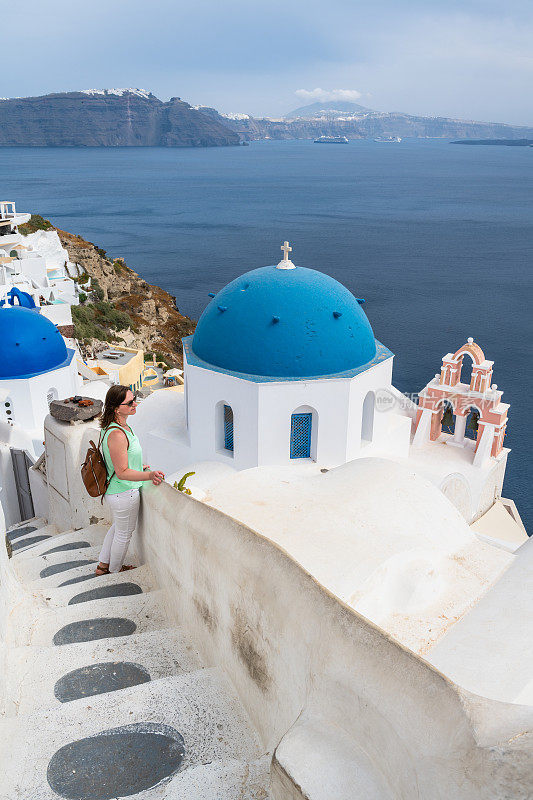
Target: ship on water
{"x":388,"y":139}
{"x":331,"y":140}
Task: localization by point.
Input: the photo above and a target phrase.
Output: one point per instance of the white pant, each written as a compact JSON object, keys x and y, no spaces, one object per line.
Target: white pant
{"x":125,"y":508}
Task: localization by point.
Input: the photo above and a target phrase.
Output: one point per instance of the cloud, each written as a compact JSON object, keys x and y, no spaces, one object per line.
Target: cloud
{"x":328,"y":94}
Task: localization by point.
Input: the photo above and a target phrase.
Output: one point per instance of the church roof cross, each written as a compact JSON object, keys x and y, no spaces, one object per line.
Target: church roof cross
{"x":286,"y":263}
{"x":286,"y":250}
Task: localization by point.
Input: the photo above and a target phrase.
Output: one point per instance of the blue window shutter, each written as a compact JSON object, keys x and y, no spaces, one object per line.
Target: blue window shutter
{"x":228,"y":428}
{"x":301,"y":425}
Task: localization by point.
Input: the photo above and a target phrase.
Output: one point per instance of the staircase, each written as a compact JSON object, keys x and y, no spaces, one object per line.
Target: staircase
{"x":104,"y":699}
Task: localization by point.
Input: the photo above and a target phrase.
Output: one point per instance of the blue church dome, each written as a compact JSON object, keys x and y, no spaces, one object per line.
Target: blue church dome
{"x":31,"y":344}
{"x":287,"y":323}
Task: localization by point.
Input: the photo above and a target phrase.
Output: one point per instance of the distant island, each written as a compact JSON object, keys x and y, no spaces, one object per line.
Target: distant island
{"x":137,"y":118}
{"x":506,"y":142}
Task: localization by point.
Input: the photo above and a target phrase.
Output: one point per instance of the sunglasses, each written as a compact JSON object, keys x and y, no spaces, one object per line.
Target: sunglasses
{"x":129,"y":403}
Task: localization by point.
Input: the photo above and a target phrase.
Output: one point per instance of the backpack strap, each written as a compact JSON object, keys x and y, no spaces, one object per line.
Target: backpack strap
{"x":111,"y":425}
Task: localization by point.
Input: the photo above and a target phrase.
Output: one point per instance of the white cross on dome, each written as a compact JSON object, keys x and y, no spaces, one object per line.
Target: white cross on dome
{"x":286,"y":263}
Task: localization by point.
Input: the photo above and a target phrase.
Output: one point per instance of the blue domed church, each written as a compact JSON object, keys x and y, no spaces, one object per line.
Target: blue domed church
{"x":36,"y":367}
{"x":284,"y":367}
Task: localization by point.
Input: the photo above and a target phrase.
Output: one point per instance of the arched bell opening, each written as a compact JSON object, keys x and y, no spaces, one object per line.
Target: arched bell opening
{"x":467,"y":364}
{"x":472,"y":424}
{"x":448,"y":418}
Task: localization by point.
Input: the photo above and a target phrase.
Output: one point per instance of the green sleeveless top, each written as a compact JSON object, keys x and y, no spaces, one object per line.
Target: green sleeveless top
{"x":135,"y":461}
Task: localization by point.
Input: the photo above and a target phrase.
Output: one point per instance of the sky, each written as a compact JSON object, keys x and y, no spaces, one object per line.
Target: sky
{"x":470,"y":59}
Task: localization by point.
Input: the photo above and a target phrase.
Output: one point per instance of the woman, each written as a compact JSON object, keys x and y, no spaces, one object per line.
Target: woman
{"x":123,"y":458}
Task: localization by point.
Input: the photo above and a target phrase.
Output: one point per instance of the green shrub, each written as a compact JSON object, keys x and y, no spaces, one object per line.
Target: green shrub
{"x":82,"y":297}
{"x":99,"y":321}
{"x":35,"y":223}
{"x":97,"y":290}
{"x":164,"y":359}
{"x":100,"y":251}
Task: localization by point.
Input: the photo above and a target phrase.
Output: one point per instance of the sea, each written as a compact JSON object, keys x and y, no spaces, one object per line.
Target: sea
{"x":437,"y":237}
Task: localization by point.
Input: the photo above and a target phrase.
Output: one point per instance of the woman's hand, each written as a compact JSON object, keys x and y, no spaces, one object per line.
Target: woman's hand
{"x":156,"y":477}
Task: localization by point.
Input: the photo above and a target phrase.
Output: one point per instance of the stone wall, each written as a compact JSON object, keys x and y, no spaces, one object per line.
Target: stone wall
{"x":348,"y":711}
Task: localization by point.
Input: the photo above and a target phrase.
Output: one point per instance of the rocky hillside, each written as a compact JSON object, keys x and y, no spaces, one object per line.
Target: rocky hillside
{"x":120,"y":117}
{"x":365,"y":124}
{"x":124,"y":307}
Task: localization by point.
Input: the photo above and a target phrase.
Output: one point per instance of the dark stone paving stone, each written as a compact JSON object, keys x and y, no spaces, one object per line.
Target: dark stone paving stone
{"x":27,"y":542}
{"x":64,"y":547}
{"x":99,"y":678}
{"x":116,"y":763}
{"x":11,"y":535}
{"x":79,"y":579}
{"x":117,"y":590}
{"x":53,"y":569}
{"x":87,"y":630}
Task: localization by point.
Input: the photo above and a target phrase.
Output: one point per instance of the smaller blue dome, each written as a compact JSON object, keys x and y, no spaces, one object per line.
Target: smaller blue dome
{"x":287,"y":323}
{"x":16,"y":297}
{"x":31,"y":344}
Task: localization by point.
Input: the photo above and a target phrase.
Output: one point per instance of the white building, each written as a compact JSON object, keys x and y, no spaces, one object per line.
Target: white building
{"x":36,"y":265}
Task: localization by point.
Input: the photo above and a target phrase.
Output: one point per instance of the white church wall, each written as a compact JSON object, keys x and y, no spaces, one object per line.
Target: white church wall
{"x":327,"y":400}
{"x":373,"y":428}
{"x":207,"y":391}
{"x":57,"y":384}
{"x":21,"y":403}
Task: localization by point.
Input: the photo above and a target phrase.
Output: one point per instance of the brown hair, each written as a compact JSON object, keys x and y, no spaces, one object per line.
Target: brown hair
{"x":113,"y":399}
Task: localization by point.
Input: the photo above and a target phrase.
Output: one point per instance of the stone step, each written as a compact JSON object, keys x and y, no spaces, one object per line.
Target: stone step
{"x":34,"y":568}
{"x":25,"y":538}
{"x":197,"y":712}
{"x":116,"y":616}
{"x":34,"y":522}
{"x":228,"y":779}
{"x":64,"y":595}
{"x":93,"y":534}
{"x":32,"y":672}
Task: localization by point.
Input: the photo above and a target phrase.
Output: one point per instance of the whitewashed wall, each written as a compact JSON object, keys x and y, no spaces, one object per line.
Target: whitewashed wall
{"x":349,"y":711}
{"x":262,"y":417}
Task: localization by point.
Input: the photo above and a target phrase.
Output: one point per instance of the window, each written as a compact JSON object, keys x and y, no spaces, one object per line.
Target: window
{"x":228,"y":428}
{"x":301,"y":426}
{"x":367,"y":420}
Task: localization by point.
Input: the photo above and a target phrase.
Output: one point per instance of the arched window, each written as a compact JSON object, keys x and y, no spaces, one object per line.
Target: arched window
{"x":301,"y":429}
{"x":224,"y":431}
{"x":367,"y":418}
{"x":228,"y":428}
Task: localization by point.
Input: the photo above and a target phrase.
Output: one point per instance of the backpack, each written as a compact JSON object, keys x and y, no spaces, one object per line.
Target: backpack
{"x":94,"y":470}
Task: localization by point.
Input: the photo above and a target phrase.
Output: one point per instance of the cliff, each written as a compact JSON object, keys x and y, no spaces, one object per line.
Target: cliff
{"x":124,"y":117}
{"x":364,"y":124}
{"x":129,"y":309}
